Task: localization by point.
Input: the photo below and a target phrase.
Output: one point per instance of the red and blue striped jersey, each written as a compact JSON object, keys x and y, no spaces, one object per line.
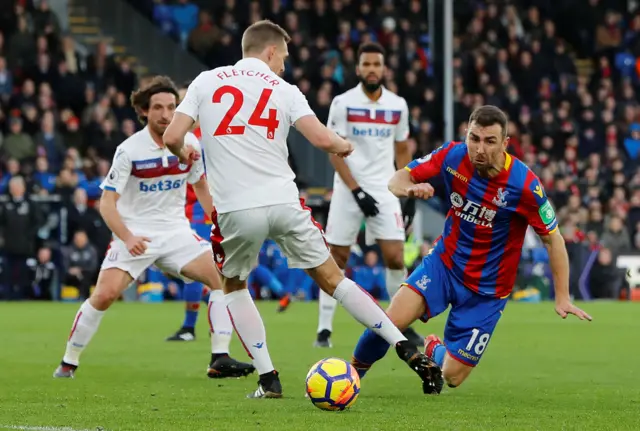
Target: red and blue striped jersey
{"x":485,"y":227}
{"x":193,"y":210}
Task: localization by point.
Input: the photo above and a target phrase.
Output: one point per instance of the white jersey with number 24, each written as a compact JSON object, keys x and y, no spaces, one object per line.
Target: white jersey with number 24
{"x":245,"y":113}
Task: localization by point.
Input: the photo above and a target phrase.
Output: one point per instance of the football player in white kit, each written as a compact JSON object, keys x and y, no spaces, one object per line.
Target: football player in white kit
{"x":245,"y":112}
{"x":143,"y":205}
{"x":377,"y":122}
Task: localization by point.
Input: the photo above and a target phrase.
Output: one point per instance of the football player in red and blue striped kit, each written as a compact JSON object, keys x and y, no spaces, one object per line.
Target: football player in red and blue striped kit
{"x":494,"y":197}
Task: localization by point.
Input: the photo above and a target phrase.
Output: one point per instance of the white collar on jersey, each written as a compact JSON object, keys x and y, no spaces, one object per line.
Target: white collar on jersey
{"x":366,"y":99}
{"x":152,"y":143}
{"x":155,"y":147}
{"x":254,"y":63}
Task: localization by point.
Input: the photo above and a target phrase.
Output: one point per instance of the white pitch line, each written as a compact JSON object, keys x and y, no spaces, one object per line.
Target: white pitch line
{"x":45,"y":428}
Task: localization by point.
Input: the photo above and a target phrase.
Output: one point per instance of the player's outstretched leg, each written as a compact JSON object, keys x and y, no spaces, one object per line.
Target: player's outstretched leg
{"x":221,"y":364}
{"x":248,"y":324}
{"x":192,"y":294}
{"x":405,"y":308}
{"x":110,"y":285}
{"x":365,"y":310}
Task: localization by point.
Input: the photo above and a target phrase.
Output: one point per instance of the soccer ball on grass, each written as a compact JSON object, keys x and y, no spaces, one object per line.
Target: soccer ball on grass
{"x":333,"y":384}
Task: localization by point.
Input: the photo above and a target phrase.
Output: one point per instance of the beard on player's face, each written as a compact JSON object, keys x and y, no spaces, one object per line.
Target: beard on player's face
{"x":158,"y":126}
{"x":371,"y":83}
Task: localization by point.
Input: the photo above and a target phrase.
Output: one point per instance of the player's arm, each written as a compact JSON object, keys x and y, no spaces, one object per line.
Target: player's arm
{"x":337,"y":123}
{"x":411,"y":180}
{"x":542,"y":218}
{"x":201,"y":189}
{"x":321,"y":137}
{"x":197,"y":177}
{"x":173,"y":137}
{"x":112,"y":187}
{"x":302,"y":117}
{"x":183,"y":121}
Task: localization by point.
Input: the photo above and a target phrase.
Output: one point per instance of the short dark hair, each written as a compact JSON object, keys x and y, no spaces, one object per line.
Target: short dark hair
{"x":261,"y":34}
{"x":370,"y":47}
{"x":141,"y":97}
{"x":488,"y":115}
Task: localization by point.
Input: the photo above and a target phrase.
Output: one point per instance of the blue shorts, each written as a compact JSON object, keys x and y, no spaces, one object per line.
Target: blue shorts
{"x":473,"y":317}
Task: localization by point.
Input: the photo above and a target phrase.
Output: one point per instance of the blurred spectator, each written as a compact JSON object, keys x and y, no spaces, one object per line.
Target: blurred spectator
{"x":43,"y":177}
{"x":44,"y":274}
{"x":185,"y":16}
{"x":49,"y":141}
{"x":203,"y":38}
{"x":81,"y":263}
{"x":17,"y":144}
{"x":616,"y":237}
{"x":605,"y":278}
{"x":82,"y":217}
{"x":20,"y":220}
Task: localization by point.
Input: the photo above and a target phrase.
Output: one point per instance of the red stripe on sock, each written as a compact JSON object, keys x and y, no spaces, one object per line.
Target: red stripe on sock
{"x":372,"y":298}
{"x":209,"y":317}
{"x":75,"y":325}
{"x":192,"y":306}
{"x":239,"y":336}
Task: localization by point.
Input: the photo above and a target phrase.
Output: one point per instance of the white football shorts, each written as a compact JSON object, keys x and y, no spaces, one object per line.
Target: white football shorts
{"x":345,"y":219}
{"x":168,"y":251}
{"x":237,"y":236}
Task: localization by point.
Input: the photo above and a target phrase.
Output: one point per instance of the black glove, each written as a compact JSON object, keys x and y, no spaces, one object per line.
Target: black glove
{"x":366,"y":202}
{"x":408,"y":212}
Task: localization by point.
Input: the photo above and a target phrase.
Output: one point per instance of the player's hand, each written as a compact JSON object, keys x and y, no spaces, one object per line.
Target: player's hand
{"x":345,"y":150}
{"x":137,"y":245}
{"x":408,"y":212}
{"x":366,"y":202}
{"x":188,"y":155}
{"x":565,"y":308}
{"x":420,"y":191}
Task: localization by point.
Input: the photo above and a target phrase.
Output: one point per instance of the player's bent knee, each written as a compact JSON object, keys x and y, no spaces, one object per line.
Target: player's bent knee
{"x":110,"y":285}
{"x":455,"y":372}
{"x":104,"y":295}
{"x":454,"y":380}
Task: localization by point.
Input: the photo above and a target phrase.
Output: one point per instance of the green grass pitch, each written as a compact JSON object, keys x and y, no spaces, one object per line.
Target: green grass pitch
{"x":538,"y":373}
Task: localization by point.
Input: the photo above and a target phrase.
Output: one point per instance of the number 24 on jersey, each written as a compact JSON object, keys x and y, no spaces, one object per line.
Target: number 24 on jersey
{"x":270,"y":122}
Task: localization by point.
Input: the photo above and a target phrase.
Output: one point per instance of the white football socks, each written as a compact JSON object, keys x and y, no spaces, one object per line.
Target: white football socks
{"x":84,"y":327}
{"x":219,"y":323}
{"x":327,"y":305}
{"x":248,"y":324}
{"x":394,"y":278}
{"x":365,"y":310}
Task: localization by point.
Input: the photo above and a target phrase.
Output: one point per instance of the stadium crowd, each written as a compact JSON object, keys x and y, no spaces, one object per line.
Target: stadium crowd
{"x":62,"y":115}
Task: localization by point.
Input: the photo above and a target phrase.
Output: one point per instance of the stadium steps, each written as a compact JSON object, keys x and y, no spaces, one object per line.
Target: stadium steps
{"x":86,"y":30}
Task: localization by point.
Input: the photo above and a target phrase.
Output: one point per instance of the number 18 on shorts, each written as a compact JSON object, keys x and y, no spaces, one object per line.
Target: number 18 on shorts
{"x":472,"y":318}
